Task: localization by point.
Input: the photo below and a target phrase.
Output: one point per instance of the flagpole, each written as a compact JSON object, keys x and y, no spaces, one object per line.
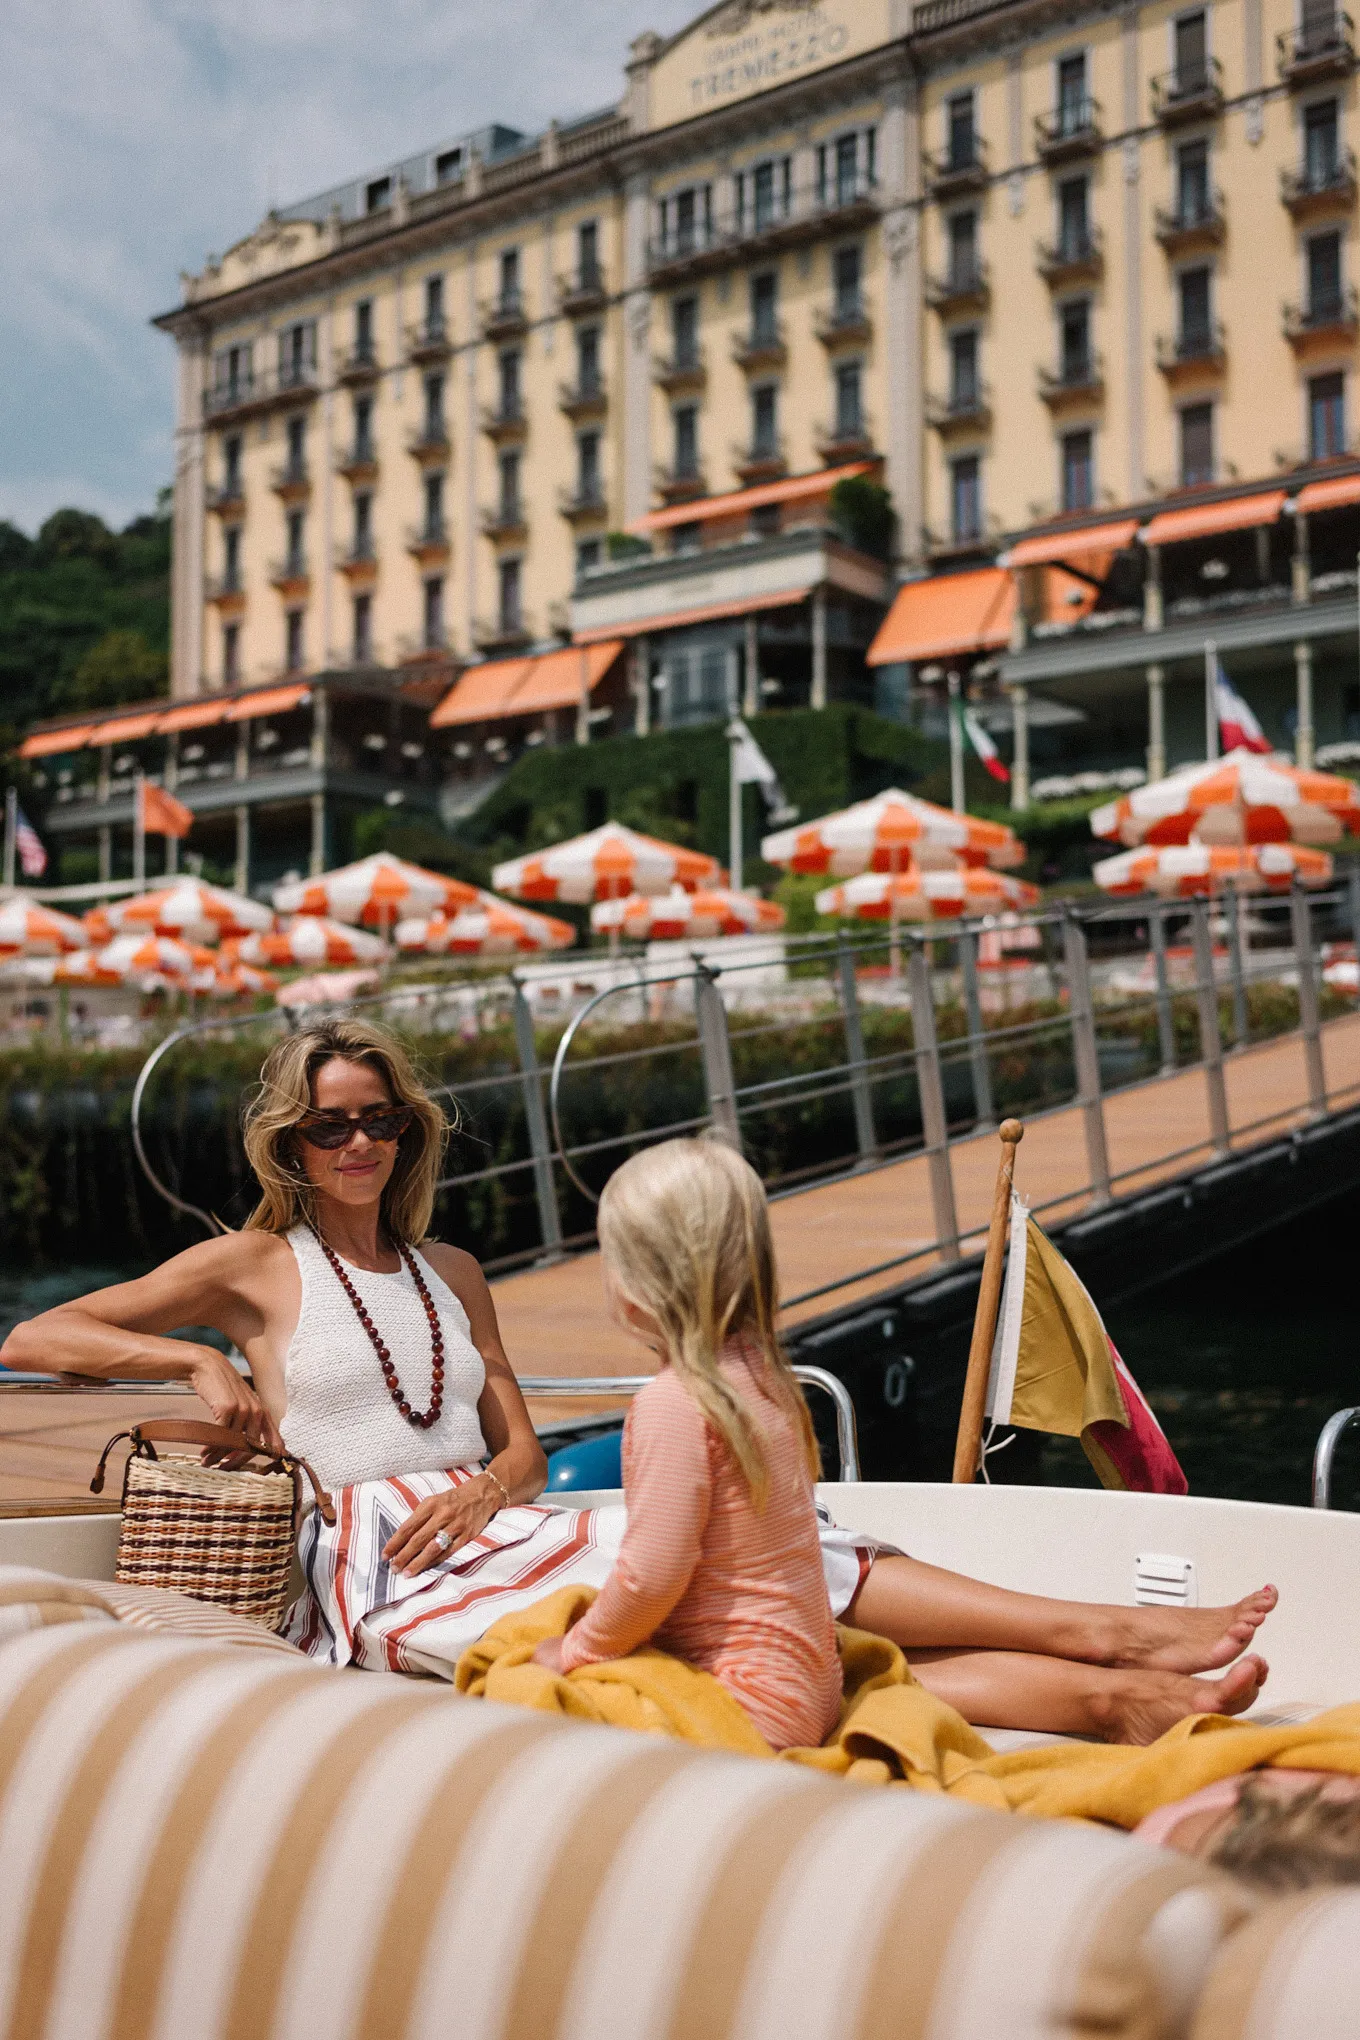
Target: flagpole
{"x":968,"y":1448}
{"x":11,"y":832}
{"x":734,"y":818}
{"x":139,"y":833}
{"x":1210,"y":701}
{"x":955,"y":747}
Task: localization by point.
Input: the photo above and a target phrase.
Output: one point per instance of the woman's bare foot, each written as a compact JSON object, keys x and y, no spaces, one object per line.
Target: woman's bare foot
{"x":1182,"y":1639}
{"x":1138,"y":1706}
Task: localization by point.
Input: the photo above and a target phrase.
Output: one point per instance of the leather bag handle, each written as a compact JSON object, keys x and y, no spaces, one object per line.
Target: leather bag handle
{"x":215,"y":1438}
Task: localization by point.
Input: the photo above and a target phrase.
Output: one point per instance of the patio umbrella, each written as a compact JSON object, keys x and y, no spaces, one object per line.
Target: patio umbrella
{"x":1243,"y":798}
{"x":889,"y":833}
{"x":151,"y":957}
{"x":85,"y":970}
{"x":224,"y":979}
{"x":309,"y":940}
{"x":926,"y":895}
{"x":378,"y":892}
{"x":678,"y":915}
{"x":1192,"y":870}
{"x":188,"y":911}
{"x":490,"y":927}
{"x":36,"y":931}
{"x":609,"y":864}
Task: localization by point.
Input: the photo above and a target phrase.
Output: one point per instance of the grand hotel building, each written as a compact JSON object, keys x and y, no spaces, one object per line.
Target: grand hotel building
{"x":1075,"y":281}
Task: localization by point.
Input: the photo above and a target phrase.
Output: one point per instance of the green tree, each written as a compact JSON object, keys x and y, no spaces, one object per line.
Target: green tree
{"x":77,"y":535}
{"x":121,"y":667}
{"x":862,"y":513}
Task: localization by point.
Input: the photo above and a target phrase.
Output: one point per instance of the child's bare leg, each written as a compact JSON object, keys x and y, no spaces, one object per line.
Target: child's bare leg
{"x":1014,"y":1689}
{"x":923,"y":1607}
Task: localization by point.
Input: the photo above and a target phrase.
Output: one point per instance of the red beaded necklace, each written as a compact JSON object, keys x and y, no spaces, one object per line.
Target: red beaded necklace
{"x":423,"y":1420}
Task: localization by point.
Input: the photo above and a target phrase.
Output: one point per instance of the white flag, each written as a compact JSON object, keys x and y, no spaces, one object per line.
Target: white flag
{"x":753,"y":768}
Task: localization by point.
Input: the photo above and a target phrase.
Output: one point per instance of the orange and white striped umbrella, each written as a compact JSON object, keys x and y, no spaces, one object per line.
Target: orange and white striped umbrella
{"x":224,"y":979}
{"x":308,"y":940}
{"x":887,"y":834}
{"x":678,"y":916}
{"x":1183,"y":871}
{"x":36,"y":931}
{"x":1243,"y":798}
{"x":187,"y":911}
{"x":155,"y":956}
{"x":609,"y":864}
{"x":85,"y":970}
{"x":926,"y":895}
{"x":377,"y":892}
{"x":491,"y":927}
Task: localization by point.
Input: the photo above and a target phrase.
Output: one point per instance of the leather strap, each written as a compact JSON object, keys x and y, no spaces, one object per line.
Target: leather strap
{"x":214,"y":1438}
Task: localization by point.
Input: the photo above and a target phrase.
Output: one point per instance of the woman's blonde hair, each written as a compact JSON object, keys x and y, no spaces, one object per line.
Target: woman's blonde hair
{"x":685,"y":1230}
{"x":285,"y":1096}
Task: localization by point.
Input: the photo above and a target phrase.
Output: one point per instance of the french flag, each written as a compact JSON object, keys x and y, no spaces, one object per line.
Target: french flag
{"x":1237,"y":726}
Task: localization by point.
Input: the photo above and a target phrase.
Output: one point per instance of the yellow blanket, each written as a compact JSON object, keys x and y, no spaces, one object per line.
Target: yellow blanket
{"x":892,"y":1731}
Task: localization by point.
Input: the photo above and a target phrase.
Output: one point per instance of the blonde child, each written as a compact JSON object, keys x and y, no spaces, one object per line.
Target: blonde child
{"x":720,"y":1564}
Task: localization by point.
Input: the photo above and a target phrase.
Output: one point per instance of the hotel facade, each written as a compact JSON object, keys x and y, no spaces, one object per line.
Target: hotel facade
{"x":541,"y":431}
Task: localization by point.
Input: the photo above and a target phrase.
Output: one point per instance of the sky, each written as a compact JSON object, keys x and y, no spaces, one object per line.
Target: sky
{"x":138,"y":136}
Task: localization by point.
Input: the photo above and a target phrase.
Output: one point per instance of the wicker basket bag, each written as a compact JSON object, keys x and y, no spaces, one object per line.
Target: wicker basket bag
{"x":216,"y":1533}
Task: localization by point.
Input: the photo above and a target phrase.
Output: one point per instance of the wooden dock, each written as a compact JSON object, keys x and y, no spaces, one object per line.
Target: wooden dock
{"x":553,"y":1318}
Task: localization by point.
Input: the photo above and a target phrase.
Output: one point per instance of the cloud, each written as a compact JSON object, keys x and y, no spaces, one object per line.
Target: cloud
{"x":142,"y":135}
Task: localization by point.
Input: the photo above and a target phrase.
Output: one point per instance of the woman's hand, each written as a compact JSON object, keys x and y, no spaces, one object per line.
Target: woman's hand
{"x":549,"y":1655}
{"x":443,"y":1525}
{"x":231,"y":1398}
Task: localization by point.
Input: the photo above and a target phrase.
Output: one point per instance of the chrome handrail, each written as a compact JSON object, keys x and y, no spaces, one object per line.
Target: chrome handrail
{"x":1328,"y":1440}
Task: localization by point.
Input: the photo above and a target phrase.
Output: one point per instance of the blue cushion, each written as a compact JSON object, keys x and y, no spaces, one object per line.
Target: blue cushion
{"x":592,"y":1463}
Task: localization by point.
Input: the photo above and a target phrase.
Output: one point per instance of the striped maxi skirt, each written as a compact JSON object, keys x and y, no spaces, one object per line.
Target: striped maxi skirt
{"x":355,"y":1610}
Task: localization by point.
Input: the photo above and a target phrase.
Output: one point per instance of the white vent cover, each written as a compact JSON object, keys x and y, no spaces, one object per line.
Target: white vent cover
{"x":1159,"y":1581}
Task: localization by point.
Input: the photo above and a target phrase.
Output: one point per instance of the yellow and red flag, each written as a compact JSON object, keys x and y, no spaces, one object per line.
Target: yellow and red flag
{"x":1055,"y":1368}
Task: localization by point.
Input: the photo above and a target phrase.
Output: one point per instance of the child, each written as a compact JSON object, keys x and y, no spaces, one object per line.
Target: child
{"x":720,"y":1564}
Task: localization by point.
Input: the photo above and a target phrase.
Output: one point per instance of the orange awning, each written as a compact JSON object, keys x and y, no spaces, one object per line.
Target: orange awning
{"x":681,"y":619}
{"x":1330,"y":495}
{"x":122,"y":729}
{"x":945,"y":615}
{"x":193,"y":715}
{"x":794,"y":489}
{"x":51,"y":743}
{"x":269,"y":701}
{"x":482,"y":693}
{"x":1207,"y":520}
{"x":1053,"y":547}
{"x":555,"y":680}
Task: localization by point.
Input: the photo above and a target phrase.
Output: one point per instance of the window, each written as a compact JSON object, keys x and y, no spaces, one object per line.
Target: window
{"x":511,"y":606}
{"x":847,"y":169}
{"x":961,"y":132}
{"x":587,"y":360}
{"x":1321,"y":145}
{"x":765,"y":422}
{"x":233,"y":372}
{"x":588,"y":254}
{"x":509,"y":480}
{"x":363,"y":330}
{"x":963,"y":370}
{"x":509,"y":274}
{"x":686,"y":419}
{"x":965,"y":490}
{"x":765,"y":309}
{"x":377,"y":194}
{"x":1074,"y":341}
{"x":296,"y":435}
{"x":589,"y":554}
{"x":434,"y":507}
{"x":1193,"y":202}
{"x":363,"y":525}
{"x":963,"y":250}
{"x":588,"y":467}
{"x":685,"y":331}
{"x":847,"y":270}
{"x":1191,"y":46}
{"x":1326,"y":416}
{"x":231,"y":465}
{"x":1196,"y":328}
{"x":297,"y":352}
{"x":293,"y":652}
{"x":1324,"y":276}
{"x":434,"y":614}
{"x":687,"y":538}
{"x":687,"y":219}
{"x":1073,"y":112}
{"x":434,"y":306}
{"x":434,"y":407}
{"x":1197,"y":444}
{"x":363,"y":630}
{"x":363,"y":428}
{"x":448,"y":165}
{"x":231,"y":558}
{"x":849,"y":401}
{"x":1078,"y":483}
{"x":231,"y":654}
{"x":1074,"y":219}
{"x":510,"y":383}
{"x":296,"y":561}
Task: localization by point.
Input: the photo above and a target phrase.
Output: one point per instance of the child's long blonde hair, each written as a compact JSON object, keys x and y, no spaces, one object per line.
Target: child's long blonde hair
{"x":685,"y":1230}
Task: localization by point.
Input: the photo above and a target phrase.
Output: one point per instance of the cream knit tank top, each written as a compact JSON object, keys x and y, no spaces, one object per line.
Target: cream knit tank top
{"x":340,"y":1417}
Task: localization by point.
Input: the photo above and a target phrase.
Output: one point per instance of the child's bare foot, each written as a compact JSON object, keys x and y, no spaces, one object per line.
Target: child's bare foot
{"x":1186,"y":1639}
{"x":1139,"y":1706}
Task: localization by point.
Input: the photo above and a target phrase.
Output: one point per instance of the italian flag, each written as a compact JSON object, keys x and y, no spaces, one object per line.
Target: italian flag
{"x":983,"y":745}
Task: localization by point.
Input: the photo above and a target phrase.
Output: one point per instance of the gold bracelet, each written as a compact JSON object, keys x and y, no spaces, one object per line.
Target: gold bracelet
{"x":507,"y":1503}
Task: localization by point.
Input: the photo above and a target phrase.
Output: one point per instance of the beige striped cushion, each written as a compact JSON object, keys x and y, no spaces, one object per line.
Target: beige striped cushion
{"x":1291,"y":1973}
{"x":199,"y":1842}
{"x":38,"y":1600}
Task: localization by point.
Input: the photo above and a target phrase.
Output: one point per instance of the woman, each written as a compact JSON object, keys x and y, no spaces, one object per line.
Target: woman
{"x":375,"y":1355}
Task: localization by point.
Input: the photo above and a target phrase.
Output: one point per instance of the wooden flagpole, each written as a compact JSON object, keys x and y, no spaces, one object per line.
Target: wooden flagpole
{"x":968,"y":1448}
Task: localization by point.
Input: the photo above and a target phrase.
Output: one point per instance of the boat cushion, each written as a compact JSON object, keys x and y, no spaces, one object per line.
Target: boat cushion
{"x":1292,"y":1972}
{"x":30,"y":1599}
{"x":221,"y":1842}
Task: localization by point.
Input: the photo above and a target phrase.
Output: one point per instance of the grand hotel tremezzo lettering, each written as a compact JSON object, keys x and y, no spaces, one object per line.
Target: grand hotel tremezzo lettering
{"x":799,"y":40}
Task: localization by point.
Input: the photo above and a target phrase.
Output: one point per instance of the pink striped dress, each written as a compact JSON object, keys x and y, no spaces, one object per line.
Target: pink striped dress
{"x":702,"y":1573}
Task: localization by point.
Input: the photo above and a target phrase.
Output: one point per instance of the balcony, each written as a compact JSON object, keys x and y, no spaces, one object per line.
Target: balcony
{"x":681,"y":484}
{"x":292,"y":482}
{"x":583,"y":503}
{"x":1191,"y":226}
{"x":250,"y":395}
{"x":227,"y":501}
{"x":429,"y":542}
{"x":430,"y":647}
{"x":848,"y":203}
{"x":585,"y":290}
{"x":582,"y":399}
{"x":843,"y":442}
{"x":507,"y":634}
{"x":430,"y":446}
{"x":1073,"y":258}
{"x":1068,"y":133}
{"x":676,"y":372}
{"x":766,"y":461}
{"x":359,"y":365}
{"x":358,"y":561}
{"x":225,"y":589}
{"x":963,"y":410}
{"x":504,"y":520}
{"x":1317,"y":50}
{"x":1077,"y":382}
{"x":962,"y":290}
{"x":505,"y":420}
{"x":959,"y":169}
{"x":1331,"y":318}
{"x":1196,"y":351}
{"x":427,"y":342}
{"x":763,"y":348}
{"x":846,"y":323}
{"x":359,"y":463}
{"x":1195,"y":93}
{"x":290,"y":575}
{"x":505,"y":316}
{"x":1326,"y":187}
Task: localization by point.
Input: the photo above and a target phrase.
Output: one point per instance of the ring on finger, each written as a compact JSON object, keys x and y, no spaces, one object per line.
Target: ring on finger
{"x":443,"y":1539}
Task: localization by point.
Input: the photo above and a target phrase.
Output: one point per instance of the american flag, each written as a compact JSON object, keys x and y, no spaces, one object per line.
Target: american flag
{"x":28,"y":843}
